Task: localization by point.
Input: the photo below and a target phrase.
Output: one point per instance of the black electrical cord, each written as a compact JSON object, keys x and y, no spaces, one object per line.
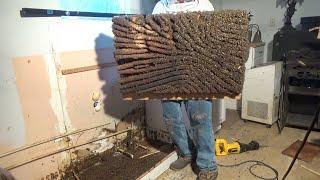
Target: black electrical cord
{"x":316,"y":117}
{"x":282,"y":112}
{"x":259,"y":163}
{"x":256,"y":163}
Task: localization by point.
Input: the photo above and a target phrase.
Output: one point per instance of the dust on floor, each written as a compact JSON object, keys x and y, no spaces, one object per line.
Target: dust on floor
{"x":234,"y":129}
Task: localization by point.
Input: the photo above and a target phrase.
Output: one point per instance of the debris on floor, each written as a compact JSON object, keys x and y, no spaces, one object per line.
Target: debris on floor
{"x":113,"y":164}
{"x":235,"y":129}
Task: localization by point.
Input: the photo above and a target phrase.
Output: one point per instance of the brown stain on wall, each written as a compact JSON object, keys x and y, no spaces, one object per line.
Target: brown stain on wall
{"x":34,"y":93}
{"x":32,"y":81}
{"x":4,"y":149}
{"x":81,"y":85}
{"x":79,"y":101}
{"x":76,"y":59}
{"x":80,"y":104}
{"x":37,"y":169}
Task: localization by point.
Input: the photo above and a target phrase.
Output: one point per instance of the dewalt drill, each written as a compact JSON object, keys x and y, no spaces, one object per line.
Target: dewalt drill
{"x":223,"y":148}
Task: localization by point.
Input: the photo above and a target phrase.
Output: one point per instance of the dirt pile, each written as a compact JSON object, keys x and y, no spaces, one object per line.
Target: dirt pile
{"x":113,"y":165}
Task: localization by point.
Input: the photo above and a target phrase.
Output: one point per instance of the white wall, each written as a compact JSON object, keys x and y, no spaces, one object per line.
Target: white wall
{"x":40,"y":36}
{"x":16,"y":36}
{"x":33,"y":36}
{"x":265,"y":13}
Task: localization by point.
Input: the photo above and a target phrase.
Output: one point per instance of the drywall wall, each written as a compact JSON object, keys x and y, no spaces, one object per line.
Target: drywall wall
{"x":21,"y":38}
{"x":18,"y":37}
{"x":39,"y":36}
{"x":33,"y":49}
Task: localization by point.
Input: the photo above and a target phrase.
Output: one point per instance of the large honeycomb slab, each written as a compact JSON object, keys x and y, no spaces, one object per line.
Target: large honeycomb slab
{"x":187,"y":55}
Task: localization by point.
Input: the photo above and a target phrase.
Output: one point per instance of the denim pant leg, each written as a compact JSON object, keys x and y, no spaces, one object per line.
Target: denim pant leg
{"x":173,"y":119}
{"x":200,"y":114}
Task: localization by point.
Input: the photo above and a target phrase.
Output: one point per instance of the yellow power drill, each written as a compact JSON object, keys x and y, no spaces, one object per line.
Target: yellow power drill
{"x":223,"y":148}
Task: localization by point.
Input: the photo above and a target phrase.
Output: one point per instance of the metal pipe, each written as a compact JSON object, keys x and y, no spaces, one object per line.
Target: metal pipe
{"x":63,"y":149}
{"x":149,"y":154}
{"x":48,"y":140}
{"x":125,"y":153}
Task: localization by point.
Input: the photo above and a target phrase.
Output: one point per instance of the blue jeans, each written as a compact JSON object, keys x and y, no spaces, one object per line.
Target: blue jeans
{"x":198,"y":130}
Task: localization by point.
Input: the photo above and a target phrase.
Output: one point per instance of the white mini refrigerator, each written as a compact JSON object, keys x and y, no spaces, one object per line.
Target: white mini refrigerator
{"x":156,"y":128}
{"x":261,"y":91}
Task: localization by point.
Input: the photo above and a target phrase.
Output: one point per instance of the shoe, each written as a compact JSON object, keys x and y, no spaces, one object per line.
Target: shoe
{"x":207,"y":175}
{"x":180,"y":163}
